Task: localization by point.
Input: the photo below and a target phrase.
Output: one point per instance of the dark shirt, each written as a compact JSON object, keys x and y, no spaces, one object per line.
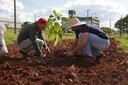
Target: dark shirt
{"x":91,"y":29}
{"x":31,"y":32}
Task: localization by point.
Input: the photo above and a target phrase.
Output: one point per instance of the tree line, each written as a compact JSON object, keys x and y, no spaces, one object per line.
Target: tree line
{"x":122,"y":25}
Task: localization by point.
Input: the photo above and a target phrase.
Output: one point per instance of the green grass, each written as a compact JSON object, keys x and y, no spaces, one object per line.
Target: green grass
{"x":10,"y":37}
{"x":68,"y":36}
{"x":124,"y":41}
{"x":65,"y":36}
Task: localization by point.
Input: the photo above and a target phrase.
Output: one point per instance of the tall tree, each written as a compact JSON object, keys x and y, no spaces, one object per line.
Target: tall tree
{"x":107,"y":30}
{"x":122,"y":25}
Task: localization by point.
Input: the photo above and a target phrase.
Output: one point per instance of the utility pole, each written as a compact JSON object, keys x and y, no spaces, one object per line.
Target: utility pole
{"x":110,"y":24}
{"x":36,"y":16}
{"x":14,"y":16}
{"x":88,"y":15}
{"x":110,"y":27}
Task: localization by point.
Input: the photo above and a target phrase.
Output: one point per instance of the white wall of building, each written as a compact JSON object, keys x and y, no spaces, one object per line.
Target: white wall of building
{"x":10,"y":22}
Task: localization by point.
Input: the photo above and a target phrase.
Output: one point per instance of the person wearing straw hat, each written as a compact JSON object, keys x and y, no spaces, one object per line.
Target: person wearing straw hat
{"x":90,"y":40}
{"x":30,"y":37}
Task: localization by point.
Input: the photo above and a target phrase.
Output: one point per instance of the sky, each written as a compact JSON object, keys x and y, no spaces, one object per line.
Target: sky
{"x":105,"y":10}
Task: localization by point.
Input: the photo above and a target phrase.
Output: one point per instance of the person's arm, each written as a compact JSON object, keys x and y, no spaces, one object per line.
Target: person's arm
{"x":45,"y":44}
{"x":32,"y":36}
{"x":74,"y":44}
{"x":76,"y":41}
{"x":40,"y":35}
{"x":82,"y":42}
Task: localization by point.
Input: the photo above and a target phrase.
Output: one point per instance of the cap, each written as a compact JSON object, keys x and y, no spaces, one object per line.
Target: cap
{"x":42,"y":20}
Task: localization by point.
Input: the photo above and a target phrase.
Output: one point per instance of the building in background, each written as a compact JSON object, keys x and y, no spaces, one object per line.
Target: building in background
{"x":10,"y":22}
{"x":72,"y":14}
{"x":91,"y":20}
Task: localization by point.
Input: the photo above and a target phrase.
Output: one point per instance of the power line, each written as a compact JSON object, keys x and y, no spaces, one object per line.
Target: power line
{"x":88,"y":15}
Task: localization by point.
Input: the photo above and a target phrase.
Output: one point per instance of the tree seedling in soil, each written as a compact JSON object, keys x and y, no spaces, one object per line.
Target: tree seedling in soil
{"x":54,"y":27}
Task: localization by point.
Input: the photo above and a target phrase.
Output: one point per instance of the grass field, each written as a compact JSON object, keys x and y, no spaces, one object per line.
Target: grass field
{"x":10,"y":38}
{"x":124,"y":41}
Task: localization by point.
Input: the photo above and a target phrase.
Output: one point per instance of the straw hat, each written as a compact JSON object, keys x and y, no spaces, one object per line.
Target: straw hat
{"x":74,"y":22}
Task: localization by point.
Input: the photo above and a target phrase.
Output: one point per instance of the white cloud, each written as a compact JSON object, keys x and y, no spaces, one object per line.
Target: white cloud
{"x":26,"y":17}
{"x":35,"y":15}
{"x":106,"y":10}
{"x":7,"y":7}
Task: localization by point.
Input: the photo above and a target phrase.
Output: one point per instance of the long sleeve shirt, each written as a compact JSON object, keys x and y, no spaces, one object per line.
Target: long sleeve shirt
{"x":31,"y":32}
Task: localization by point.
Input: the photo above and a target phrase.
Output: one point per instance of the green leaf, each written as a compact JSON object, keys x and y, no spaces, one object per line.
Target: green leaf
{"x":50,"y":19}
{"x":55,"y":30}
{"x":61,"y":29}
{"x":56,"y":26}
{"x":58,"y":17}
{"x":54,"y":20}
{"x":52,"y":36}
{"x":56,"y":41}
{"x":55,"y":13}
{"x":48,"y":33}
{"x":49,"y":25}
{"x":57,"y":36}
{"x":60,"y":35}
{"x":51,"y":16}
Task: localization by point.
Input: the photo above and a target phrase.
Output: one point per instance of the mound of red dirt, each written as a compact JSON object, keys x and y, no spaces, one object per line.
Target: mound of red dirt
{"x":56,"y":70}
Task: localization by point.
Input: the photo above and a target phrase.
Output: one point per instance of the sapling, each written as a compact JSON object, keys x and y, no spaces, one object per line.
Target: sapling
{"x":54,"y":30}
{"x":54,"y":27}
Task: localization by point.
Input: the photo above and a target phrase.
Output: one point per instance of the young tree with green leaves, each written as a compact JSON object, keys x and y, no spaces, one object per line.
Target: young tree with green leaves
{"x":54,"y":27}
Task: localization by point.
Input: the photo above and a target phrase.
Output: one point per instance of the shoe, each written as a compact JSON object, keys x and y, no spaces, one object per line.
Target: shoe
{"x":99,"y":56}
{"x":24,"y":53}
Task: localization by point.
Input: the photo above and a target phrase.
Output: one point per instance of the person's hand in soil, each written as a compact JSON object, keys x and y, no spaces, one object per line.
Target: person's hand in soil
{"x":40,"y":55}
{"x":47,"y":49}
{"x":69,"y":54}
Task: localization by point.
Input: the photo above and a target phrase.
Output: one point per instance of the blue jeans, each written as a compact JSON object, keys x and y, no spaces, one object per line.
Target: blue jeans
{"x":95,"y":45}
